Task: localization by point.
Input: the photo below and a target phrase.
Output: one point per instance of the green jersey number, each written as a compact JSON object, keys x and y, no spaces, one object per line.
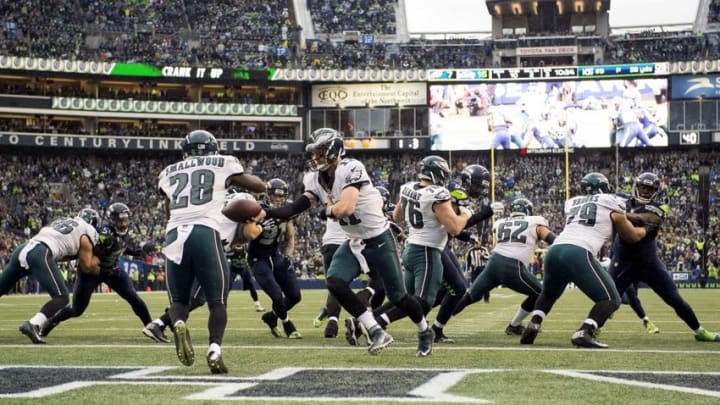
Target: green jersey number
{"x":412,"y":212}
{"x":64,"y":225}
{"x":511,"y":231}
{"x":201,"y":188}
{"x":587,"y":214}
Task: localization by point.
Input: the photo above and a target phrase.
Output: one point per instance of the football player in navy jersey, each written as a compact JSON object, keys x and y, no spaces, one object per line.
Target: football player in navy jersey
{"x":640,"y":261}
{"x":271,"y":267}
{"x":239,"y":266}
{"x":113,"y":241}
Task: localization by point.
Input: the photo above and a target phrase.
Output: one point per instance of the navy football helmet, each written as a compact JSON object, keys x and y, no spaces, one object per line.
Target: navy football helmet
{"x":476,"y":180}
{"x":276,"y":192}
{"x":646,"y":187}
{"x":595,"y":183}
{"x":199,"y":143}
{"x":119,"y":214}
{"x":326,"y":145}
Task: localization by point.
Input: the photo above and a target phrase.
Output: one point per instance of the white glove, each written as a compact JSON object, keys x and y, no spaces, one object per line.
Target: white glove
{"x":498,"y":208}
{"x":465,"y":210}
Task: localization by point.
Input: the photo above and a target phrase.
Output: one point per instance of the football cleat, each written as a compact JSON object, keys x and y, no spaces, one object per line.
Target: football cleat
{"x":183,"y":344}
{"x":155,"y":332}
{"x":530,"y":333}
{"x":425,"y":341}
{"x":705,"y":336}
{"x":440,"y":336}
{"x":650,"y":327}
{"x":259,"y":307}
{"x":585,"y":338}
{"x":271,"y":321}
{"x":47,"y":328}
{"x":331,"y":329}
{"x":514,"y":330}
{"x":216,"y":364}
{"x":380,"y":340}
{"x":351,"y":332}
{"x":290,"y":330}
{"x":31,"y":331}
{"x":320,"y":319}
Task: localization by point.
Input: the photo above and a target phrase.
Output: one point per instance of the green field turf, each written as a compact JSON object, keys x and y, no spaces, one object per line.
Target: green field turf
{"x":102,"y":357}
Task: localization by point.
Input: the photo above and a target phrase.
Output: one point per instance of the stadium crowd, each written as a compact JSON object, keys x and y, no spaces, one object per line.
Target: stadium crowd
{"x":248,"y":34}
{"x":38,"y":186}
{"x":41,"y":185}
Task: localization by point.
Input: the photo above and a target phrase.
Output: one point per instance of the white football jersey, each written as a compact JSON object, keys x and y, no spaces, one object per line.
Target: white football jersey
{"x":334,"y":234}
{"x":516,"y":236}
{"x":368,"y":220}
{"x":587,"y":221}
{"x":62,"y":236}
{"x":228,"y":227}
{"x":418,"y":204}
{"x":196,"y":189}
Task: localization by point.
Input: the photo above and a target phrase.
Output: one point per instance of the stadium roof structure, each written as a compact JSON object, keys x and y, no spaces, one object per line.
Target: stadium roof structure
{"x":472,"y":18}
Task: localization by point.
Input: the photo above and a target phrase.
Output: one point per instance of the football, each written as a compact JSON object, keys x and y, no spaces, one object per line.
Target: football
{"x":240,"y":210}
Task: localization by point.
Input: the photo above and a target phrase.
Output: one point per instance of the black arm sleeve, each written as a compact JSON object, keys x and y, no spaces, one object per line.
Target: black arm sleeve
{"x":464,"y":236}
{"x":550,"y":238}
{"x":289,"y":211}
{"x":484,"y":213}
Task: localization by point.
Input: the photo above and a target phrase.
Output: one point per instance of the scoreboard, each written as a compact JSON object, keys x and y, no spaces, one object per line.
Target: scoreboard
{"x":546,"y":73}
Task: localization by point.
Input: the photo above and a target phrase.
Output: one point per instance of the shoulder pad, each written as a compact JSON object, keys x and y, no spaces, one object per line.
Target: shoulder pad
{"x":440,"y":194}
{"x":655,"y":210}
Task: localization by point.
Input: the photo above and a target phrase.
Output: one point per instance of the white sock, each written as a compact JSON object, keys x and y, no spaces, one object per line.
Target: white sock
{"x":333,"y":318}
{"x":519,"y":316}
{"x":214,"y":347}
{"x":422,"y":325}
{"x":368,"y":320}
{"x":385,"y":318}
{"x":39,"y":319}
{"x":539,"y":313}
{"x":591,"y":322}
{"x":159,"y":322}
{"x":438,"y":324}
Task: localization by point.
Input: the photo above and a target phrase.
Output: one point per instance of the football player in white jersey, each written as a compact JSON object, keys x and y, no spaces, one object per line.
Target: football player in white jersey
{"x":425,"y":207}
{"x":194,"y":190}
{"x":343,"y":186}
{"x":589,"y":223}
{"x":516,"y":237}
{"x":234,"y":237}
{"x":61,"y":240}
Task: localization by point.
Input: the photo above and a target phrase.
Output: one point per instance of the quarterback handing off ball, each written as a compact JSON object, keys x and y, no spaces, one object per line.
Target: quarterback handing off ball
{"x":241,"y":210}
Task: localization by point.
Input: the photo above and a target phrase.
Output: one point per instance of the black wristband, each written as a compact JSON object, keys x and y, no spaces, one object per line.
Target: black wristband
{"x":288,"y":211}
